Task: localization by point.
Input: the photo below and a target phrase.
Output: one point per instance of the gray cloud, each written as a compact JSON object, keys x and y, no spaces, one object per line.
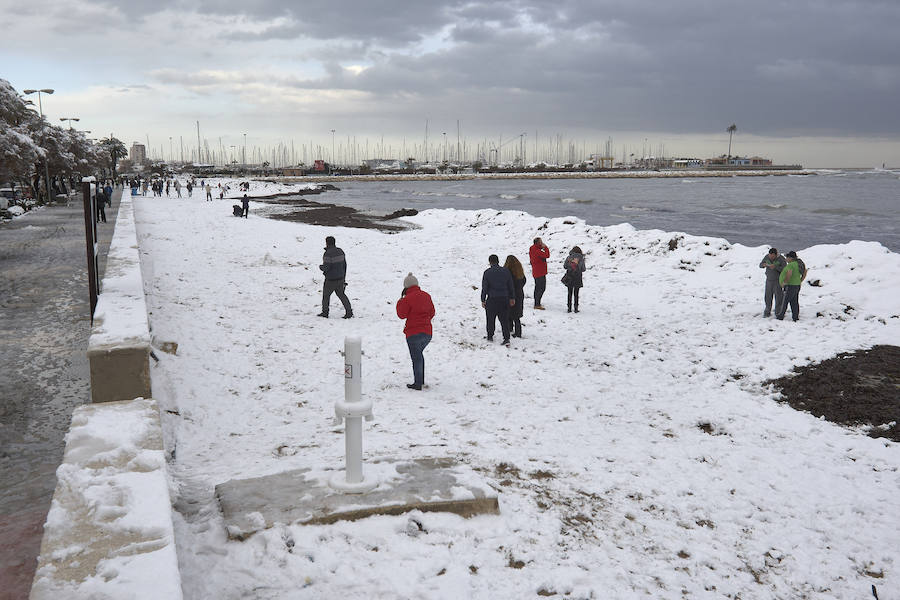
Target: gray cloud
{"x":773,"y":67}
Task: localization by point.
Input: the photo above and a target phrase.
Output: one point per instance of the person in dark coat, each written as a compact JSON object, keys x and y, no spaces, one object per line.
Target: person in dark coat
{"x":513,"y":265}
{"x":334,"y":266}
{"x":100,"y":199}
{"x":574,"y":265}
{"x":417,"y":308}
{"x":497,"y":296}
{"x":245,"y":206}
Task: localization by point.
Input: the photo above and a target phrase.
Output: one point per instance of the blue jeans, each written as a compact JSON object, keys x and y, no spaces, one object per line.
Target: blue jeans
{"x":417,"y":345}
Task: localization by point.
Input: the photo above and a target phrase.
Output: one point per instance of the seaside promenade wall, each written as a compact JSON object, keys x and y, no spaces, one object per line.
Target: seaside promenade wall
{"x":109,"y":532}
{"x":119,"y":346}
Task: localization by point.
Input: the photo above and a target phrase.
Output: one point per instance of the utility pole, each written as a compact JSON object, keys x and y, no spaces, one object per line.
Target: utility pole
{"x":199,"y":155}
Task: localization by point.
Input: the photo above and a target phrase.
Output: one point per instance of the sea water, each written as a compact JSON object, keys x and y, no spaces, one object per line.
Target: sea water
{"x":790,"y":212}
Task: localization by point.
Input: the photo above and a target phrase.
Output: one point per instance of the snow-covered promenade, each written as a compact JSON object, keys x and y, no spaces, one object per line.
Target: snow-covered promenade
{"x":635,"y":447}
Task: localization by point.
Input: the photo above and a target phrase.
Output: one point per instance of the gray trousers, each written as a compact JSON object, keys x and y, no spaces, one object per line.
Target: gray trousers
{"x":337,"y":286}
{"x":773,"y":289}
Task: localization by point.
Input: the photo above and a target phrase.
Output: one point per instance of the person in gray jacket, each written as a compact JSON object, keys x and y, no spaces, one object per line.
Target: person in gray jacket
{"x":773,"y":263}
{"x":334,"y":266}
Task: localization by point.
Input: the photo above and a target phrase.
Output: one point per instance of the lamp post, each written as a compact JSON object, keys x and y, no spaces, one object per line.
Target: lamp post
{"x":445,"y":146}
{"x":244,"y":154}
{"x":69,"y":119}
{"x":331,"y":162}
{"x":43,"y":134}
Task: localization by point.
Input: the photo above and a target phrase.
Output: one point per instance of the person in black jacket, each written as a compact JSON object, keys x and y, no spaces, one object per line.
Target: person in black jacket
{"x":497,"y":295}
{"x":100,"y":199}
{"x":513,"y":265}
{"x":334,"y":266}
{"x":574,"y":265}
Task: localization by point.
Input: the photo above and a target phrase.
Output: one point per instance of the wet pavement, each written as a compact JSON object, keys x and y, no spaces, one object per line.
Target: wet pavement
{"x":44,"y":375}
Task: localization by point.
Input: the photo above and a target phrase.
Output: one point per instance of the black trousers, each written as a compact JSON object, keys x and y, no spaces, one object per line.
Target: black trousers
{"x":335,"y":286}
{"x":573,"y":291}
{"x":540,"y":285}
{"x":497,"y":308}
{"x":792,"y":299}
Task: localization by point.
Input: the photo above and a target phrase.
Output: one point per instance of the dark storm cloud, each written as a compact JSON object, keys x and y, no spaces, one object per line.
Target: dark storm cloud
{"x":772,"y":66}
{"x":775,"y":66}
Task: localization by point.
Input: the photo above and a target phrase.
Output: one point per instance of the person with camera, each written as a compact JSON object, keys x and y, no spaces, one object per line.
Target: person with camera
{"x":417,"y":308}
{"x":538,"y":255}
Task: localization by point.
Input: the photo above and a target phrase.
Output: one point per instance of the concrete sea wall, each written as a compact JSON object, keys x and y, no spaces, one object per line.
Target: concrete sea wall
{"x":109,"y":532}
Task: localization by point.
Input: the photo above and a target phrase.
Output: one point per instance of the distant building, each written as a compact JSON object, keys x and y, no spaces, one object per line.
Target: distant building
{"x":138,"y":154}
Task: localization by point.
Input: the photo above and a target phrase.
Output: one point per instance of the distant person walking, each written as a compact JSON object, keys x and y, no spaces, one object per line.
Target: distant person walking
{"x":245,"y":206}
{"x":208,"y":193}
{"x":497,"y":296}
{"x":515,"y":269}
{"x":100,"y":199}
{"x":538,"y":255}
{"x":417,"y":308}
{"x":334,"y":266}
{"x":791,"y":278}
{"x":190,"y":187}
{"x":178,"y":188}
{"x":575,"y":266}
{"x":773,"y":263}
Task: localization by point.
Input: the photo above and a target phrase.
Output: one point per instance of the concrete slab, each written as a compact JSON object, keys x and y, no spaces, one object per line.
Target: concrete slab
{"x":304,"y":497}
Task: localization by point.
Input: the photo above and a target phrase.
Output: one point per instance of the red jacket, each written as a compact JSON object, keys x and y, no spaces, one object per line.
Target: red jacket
{"x":538,"y":257}
{"x":418,"y":310}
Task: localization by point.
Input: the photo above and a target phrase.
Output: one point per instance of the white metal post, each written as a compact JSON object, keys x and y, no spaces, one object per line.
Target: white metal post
{"x":352,"y":410}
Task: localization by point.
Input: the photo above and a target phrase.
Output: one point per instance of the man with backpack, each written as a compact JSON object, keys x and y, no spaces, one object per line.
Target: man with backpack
{"x":791,"y":278}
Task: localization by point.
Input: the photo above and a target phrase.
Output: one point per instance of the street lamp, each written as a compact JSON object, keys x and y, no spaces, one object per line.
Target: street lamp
{"x":244,"y":154}
{"x":43,"y":134}
{"x":332,"y":151}
{"x":445,"y":146}
{"x":69,"y":119}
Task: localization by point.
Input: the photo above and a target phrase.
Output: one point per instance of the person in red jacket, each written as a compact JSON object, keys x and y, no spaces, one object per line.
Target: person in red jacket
{"x":416,"y":307}
{"x":538,"y":255}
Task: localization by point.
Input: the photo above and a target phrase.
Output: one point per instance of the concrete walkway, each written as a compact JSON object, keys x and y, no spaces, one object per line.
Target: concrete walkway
{"x":44,"y":328}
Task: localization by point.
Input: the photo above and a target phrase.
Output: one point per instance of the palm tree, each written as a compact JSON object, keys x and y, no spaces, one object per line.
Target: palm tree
{"x":731,"y":129}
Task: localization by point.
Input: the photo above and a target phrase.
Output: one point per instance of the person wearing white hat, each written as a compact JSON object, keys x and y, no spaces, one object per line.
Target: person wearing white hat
{"x":417,"y":308}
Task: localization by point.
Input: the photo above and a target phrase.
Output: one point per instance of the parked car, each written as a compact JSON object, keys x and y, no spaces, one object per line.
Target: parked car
{"x":9,"y":196}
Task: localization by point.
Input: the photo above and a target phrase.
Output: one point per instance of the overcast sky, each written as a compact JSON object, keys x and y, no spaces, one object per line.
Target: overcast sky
{"x":810,"y":81}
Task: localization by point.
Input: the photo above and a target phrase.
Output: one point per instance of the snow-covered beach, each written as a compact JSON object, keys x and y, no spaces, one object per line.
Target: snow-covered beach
{"x":635,"y":447}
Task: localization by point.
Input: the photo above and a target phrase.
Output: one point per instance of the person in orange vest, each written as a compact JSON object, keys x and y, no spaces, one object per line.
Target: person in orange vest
{"x":417,"y":308}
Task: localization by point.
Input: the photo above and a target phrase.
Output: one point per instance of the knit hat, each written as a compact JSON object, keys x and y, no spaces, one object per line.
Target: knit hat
{"x":791,"y":254}
{"x":409,"y":281}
